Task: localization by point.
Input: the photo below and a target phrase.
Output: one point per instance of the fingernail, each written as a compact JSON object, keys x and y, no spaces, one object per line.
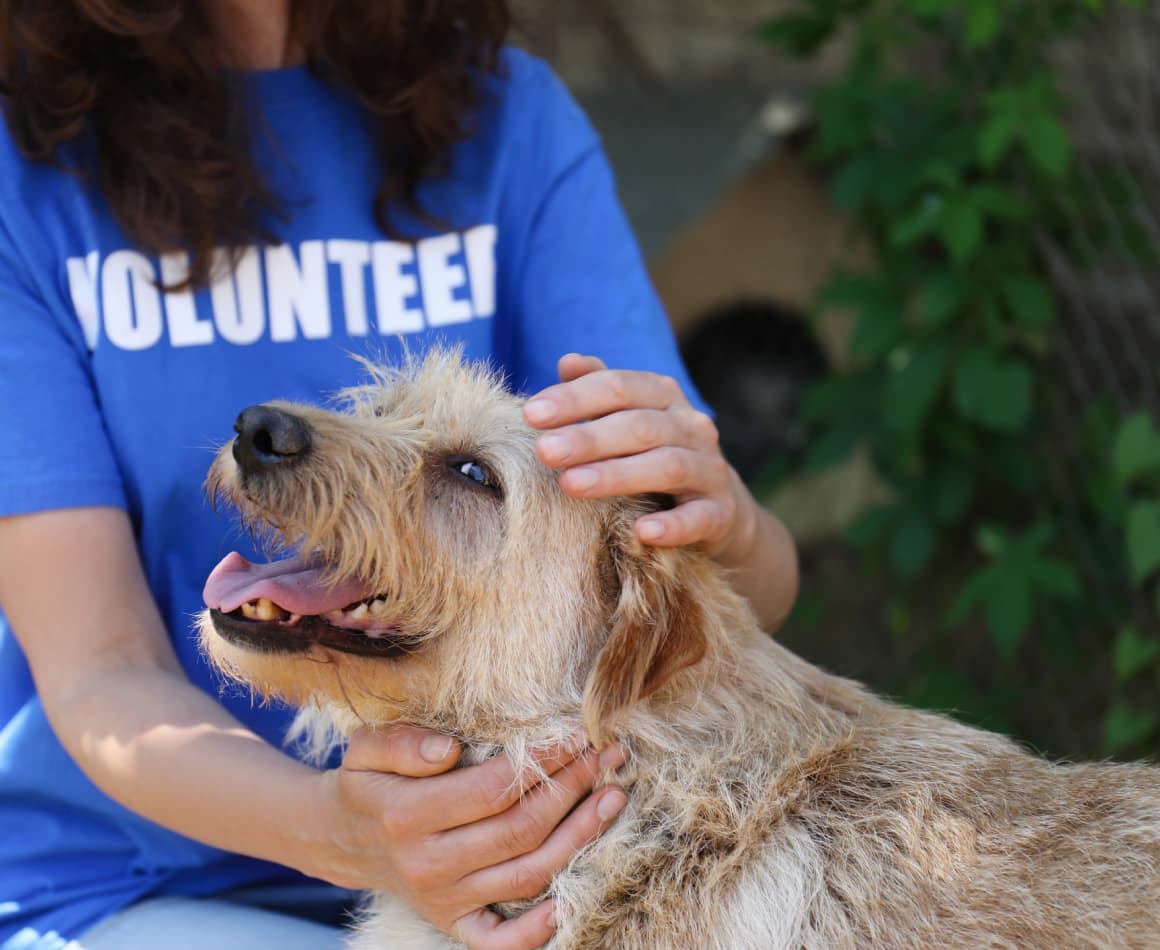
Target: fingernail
{"x":611,"y":804}
{"x":581,"y":479}
{"x":555,"y":448}
{"x":435,"y":748}
{"x":540,"y":410}
{"x":612,"y":758}
{"x":650,"y":530}
{"x":553,"y":920}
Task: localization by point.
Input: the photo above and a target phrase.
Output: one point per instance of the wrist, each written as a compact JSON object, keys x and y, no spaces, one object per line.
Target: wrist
{"x":307,"y":828}
{"x":762,"y":558}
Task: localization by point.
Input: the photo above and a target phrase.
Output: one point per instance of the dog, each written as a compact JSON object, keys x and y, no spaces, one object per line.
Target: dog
{"x":770,"y":805}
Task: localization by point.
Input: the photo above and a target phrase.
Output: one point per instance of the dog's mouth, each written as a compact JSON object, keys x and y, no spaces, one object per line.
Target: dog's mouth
{"x":289,"y":606}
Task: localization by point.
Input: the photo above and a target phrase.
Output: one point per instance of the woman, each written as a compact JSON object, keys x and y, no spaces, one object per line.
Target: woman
{"x":209,"y":203}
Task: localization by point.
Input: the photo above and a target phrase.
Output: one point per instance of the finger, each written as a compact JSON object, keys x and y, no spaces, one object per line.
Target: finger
{"x":486,"y":930}
{"x":574,"y":365}
{"x":627,"y":433}
{"x":483,"y":791}
{"x":698,"y":520}
{"x":400,"y":750}
{"x":600,"y":393}
{"x":673,"y":470}
{"x":527,"y":824}
{"x":526,"y":877}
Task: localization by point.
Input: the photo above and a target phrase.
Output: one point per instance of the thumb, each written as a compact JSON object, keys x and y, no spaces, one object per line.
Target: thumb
{"x":400,"y":750}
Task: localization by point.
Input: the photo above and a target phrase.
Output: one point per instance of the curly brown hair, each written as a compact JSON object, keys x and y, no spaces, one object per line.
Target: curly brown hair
{"x":172,"y":149}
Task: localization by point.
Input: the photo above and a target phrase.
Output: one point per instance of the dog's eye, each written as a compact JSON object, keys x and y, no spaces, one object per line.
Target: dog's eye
{"x":474,"y":472}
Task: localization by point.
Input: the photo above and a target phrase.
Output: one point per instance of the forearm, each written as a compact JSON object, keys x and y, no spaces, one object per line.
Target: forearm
{"x":155,"y":743}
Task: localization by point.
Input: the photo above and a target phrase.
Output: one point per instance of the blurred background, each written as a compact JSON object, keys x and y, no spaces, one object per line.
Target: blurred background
{"x":910,"y":249}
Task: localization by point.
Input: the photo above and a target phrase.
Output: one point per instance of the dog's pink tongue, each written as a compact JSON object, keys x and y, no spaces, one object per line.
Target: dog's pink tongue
{"x":295,"y":585}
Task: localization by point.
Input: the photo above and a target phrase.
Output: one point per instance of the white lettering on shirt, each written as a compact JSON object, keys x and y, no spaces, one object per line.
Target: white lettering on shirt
{"x":441,"y":278}
{"x":130,"y":301}
{"x":394,"y":288}
{"x":82,"y":288}
{"x":239,"y":311}
{"x":352,"y":258}
{"x":310,"y":291}
{"x":479,"y":249}
{"x":297,"y":292}
{"x":185,"y":327}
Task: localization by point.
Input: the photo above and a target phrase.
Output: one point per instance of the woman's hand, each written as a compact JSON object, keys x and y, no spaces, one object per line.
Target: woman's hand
{"x":640,"y":434}
{"x":450,"y":843}
{"x":623,"y":432}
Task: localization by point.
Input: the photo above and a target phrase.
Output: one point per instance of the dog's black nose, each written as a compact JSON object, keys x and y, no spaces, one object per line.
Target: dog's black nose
{"x":269,"y":437}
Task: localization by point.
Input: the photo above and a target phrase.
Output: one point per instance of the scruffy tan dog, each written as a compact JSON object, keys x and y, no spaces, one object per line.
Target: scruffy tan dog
{"x":770,"y":804}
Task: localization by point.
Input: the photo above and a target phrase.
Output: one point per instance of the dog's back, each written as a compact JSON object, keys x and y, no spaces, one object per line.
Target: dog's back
{"x":815,"y":815}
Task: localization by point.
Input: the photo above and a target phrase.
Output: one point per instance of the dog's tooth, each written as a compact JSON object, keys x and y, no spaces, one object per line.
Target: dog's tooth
{"x":249,"y":611}
{"x":378,"y":605}
{"x":266,"y":609}
{"x":359,"y":612}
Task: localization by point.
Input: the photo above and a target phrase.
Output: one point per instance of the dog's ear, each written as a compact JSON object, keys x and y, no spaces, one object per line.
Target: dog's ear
{"x":657,"y":627}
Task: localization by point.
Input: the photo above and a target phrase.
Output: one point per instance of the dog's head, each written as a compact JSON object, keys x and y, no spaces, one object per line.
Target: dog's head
{"x":438,"y":572}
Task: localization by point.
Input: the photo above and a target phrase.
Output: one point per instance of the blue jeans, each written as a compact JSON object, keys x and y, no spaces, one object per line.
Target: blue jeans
{"x":251,"y":919}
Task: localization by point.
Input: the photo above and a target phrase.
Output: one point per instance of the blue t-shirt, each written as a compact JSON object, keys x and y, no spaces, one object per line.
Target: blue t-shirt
{"x":112,"y":393}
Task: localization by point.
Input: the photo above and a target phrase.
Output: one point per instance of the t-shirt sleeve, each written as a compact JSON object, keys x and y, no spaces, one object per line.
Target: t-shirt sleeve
{"x":54,"y":452}
{"x":580,"y":283}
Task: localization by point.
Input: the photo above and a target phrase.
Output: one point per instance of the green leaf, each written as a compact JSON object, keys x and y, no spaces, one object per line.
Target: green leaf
{"x":943,"y":296}
{"x":913,"y":544}
{"x":1029,"y":299}
{"x":961,"y":228}
{"x":1034,"y":540}
{"x":1132,"y":653}
{"x":983,"y":22}
{"x":971,"y":593}
{"x":871,"y":526}
{"x":927,"y":8}
{"x":833,"y":446}
{"x":1144,"y":538}
{"x":994,"y":392}
{"x":992,"y":540}
{"x":799,"y":34}
{"x":833,"y":397}
{"x":997,"y":137}
{"x":1054,"y":578}
{"x":1125,"y":728}
{"x":1047,"y":143}
{"x":849,"y":289}
{"x":911,"y":392}
{"x":856,"y":182}
{"x":878,"y":328}
{"x":1000,"y":203}
{"x":954,"y":486}
{"x":1007,"y":609}
{"x":1136,"y":450}
{"x":919,"y":224}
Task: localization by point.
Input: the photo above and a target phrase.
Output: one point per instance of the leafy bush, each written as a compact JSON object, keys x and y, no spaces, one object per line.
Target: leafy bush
{"x":946,"y":142}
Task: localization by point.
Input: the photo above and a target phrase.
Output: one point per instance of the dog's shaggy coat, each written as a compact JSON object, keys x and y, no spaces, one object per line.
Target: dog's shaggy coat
{"x":770,"y":805}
